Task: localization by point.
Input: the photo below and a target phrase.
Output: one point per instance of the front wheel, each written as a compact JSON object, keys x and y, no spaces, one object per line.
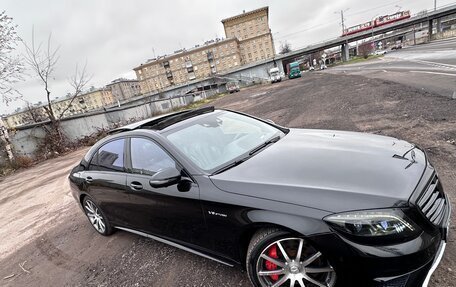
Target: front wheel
{"x":276,"y":258}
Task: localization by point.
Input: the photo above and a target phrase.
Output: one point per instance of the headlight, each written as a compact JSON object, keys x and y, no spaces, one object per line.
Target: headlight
{"x":382,"y":225}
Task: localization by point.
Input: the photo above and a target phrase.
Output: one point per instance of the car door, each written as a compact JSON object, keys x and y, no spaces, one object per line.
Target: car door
{"x":164,"y":211}
{"x":106,"y":179}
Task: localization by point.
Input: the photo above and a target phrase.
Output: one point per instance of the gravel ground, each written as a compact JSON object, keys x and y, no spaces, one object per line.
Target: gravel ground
{"x":44,"y":231}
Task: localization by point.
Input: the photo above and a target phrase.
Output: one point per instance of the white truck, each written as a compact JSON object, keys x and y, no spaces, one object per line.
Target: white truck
{"x":274,"y":74}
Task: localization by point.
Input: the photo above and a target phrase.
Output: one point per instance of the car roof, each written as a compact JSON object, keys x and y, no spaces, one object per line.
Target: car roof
{"x":163,"y":121}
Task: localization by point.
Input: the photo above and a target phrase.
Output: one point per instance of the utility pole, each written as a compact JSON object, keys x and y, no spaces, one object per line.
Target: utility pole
{"x":435,"y":5}
{"x":342,"y":19}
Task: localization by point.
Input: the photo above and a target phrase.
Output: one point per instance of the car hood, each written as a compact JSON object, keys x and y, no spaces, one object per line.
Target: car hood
{"x":333,"y":171}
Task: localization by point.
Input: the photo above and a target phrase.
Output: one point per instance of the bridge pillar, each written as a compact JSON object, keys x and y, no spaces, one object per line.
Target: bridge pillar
{"x":430,"y":23}
{"x":345,"y":53}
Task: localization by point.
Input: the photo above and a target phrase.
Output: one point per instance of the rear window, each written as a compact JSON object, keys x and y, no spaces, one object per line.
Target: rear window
{"x":109,"y":157}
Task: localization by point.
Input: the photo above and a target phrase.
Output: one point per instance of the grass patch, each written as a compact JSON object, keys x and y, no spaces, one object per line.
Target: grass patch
{"x":358,"y":59}
{"x":200,"y":103}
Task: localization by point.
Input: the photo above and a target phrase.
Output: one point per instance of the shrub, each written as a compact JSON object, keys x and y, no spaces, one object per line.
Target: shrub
{"x":22,"y":162}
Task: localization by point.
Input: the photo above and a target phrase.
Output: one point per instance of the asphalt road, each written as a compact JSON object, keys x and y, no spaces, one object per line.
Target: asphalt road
{"x":430,"y":67}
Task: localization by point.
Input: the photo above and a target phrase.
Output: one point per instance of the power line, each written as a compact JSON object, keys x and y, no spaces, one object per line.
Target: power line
{"x":306,"y":29}
{"x":374,"y":8}
{"x":331,"y":22}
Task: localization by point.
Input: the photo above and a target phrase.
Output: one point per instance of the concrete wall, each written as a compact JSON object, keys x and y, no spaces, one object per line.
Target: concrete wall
{"x":444,"y":35}
{"x":26,"y":140}
{"x":257,"y":72}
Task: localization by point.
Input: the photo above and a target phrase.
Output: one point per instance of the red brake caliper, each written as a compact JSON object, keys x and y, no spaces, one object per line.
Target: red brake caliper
{"x":272,"y":252}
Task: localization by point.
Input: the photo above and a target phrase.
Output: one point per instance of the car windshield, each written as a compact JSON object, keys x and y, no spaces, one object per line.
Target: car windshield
{"x":214,"y":140}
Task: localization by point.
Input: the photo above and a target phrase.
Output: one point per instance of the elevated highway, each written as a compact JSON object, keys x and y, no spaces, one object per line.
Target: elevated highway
{"x":344,"y":41}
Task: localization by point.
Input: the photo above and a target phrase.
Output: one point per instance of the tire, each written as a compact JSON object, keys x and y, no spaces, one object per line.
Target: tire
{"x":310,"y":266}
{"x":96,"y":217}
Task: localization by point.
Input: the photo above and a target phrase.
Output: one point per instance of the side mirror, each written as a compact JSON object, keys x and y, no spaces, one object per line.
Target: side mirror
{"x":165,"y":177}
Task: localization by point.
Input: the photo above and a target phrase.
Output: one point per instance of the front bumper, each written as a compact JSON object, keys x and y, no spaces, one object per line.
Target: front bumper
{"x":408,"y":264}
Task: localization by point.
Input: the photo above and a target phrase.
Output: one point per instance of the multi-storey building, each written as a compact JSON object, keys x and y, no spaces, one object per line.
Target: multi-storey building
{"x":254,"y":35}
{"x":248,"y":39}
{"x":124,"y":89}
{"x":95,"y":99}
{"x":188,"y":65}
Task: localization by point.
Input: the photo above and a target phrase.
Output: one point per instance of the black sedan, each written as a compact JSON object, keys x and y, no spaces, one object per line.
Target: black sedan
{"x":293,"y":207}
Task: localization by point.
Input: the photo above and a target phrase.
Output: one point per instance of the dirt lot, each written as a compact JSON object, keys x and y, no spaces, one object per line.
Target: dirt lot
{"x":42,"y":226}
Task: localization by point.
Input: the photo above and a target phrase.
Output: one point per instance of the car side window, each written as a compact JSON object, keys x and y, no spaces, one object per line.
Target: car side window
{"x":109,"y":157}
{"x":148,"y":158}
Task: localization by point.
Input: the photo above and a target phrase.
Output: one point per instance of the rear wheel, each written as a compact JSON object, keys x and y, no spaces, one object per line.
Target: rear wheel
{"x":276,"y":258}
{"x":96,"y":217}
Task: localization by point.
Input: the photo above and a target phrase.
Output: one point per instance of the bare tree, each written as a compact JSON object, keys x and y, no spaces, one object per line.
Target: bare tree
{"x":365,"y":49}
{"x":11,"y":66}
{"x":34,"y":113}
{"x":42,"y":60}
{"x":285,"y":48}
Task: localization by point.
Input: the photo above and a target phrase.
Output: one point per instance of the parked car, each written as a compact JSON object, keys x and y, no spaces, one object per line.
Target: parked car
{"x":397,"y":47}
{"x":274,"y":75}
{"x":380,"y":52}
{"x":294,"y":207}
{"x":232,"y":87}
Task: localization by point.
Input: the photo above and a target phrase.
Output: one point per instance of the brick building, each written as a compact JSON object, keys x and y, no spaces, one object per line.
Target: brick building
{"x":124,"y":89}
{"x":248,"y":39}
{"x":254,"y":35}
{"x":94,"y":99}
{"x":185,"y":66}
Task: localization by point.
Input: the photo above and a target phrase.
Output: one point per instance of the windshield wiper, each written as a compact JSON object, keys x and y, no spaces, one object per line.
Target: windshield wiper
{"x":263,"y":145}
{"x":231,"y":165}
{"x":252,"y":152}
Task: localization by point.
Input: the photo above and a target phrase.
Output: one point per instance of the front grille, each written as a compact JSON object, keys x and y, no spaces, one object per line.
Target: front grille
{"x":432,"y":202}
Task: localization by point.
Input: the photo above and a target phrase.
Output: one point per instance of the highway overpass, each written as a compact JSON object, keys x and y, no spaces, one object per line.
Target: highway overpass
{"x":344,"y":41}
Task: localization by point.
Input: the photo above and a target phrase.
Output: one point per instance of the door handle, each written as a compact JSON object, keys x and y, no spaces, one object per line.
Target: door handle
{"x":89,"y":179}
{"x":136,"y":185}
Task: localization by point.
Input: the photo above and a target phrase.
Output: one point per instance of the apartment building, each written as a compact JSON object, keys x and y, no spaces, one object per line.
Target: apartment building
{"x":94,"y":99}
{"x":183,"y":66}
{"x":254,"y":35}
{"x":124,"y":89}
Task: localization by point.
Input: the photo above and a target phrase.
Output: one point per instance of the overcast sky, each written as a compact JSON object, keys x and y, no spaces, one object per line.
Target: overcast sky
{"x":114,"y":36}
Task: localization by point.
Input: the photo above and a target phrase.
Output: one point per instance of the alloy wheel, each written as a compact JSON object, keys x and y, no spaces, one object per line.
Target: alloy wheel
{"x":293,"y":262}
{"x":95,"y":216}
